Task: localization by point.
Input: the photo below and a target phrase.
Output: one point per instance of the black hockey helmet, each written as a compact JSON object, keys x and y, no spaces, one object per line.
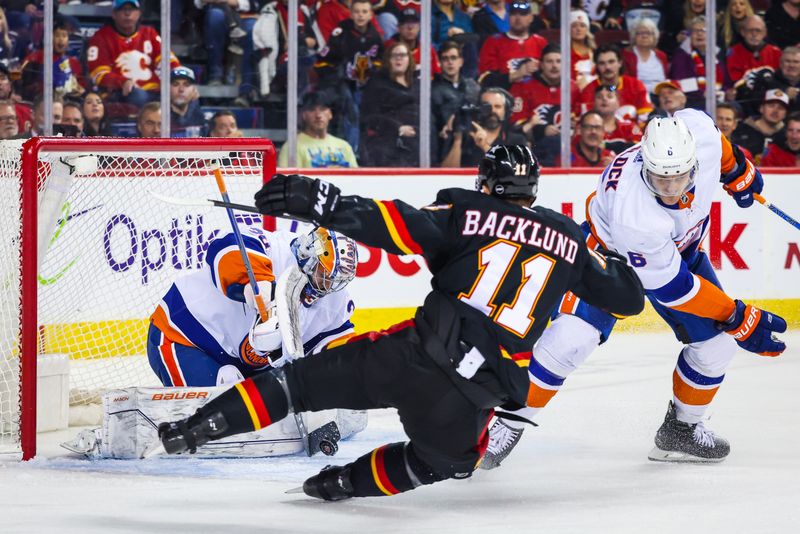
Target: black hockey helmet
{"x":509,"y":171}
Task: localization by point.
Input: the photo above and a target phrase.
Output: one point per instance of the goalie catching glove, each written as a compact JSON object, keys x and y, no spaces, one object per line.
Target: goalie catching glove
{"x":300,"y":197}
{"x":753,"y":329}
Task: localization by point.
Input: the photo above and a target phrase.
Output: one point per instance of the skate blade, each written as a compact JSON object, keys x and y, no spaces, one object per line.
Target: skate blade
{"x":157,"y":450}
{"x":298,"y":489}
{"x":658,"y":455}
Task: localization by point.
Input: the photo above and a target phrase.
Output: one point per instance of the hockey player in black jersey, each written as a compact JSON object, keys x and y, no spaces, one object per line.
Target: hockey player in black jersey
{"x":500,"y":265}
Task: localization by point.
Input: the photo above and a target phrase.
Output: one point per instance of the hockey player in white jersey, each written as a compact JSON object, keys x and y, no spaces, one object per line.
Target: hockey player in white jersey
{"x":206,"y":330}
{"x":652,"y":205}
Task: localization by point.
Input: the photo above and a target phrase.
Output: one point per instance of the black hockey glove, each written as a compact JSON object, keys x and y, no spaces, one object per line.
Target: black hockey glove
{"x":299,"y":197}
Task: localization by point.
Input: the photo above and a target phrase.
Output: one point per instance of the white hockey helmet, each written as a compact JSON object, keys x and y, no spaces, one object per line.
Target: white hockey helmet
{"x":329,"y":259}
{"x":669,"y":156}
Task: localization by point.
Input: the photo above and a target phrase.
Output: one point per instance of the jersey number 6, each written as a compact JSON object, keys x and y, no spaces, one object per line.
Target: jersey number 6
{"x":494,"y":262}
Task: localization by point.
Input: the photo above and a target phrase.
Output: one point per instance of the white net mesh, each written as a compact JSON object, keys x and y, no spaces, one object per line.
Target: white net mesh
{"x":109,"y":252}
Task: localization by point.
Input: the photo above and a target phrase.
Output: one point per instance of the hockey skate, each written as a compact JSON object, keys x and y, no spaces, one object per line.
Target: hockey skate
{"x":677,"y":441}
{"x":188,"y":434}
{"x":502,"y":440}
{"x":330,"y":484}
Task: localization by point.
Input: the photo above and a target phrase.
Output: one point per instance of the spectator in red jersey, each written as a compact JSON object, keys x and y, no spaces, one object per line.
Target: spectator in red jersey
{"x":408,"y":34}
{"x":643,"y":60}
{"x":754,"y":52}
{"x":9,"y":128}
{"x":619,"y":134}
{"x":94,"y":113}
{"x":68,"y":76}
{"x":22,"y":111}
{"x":329,"y":14}
{"x":671,"y":97}
{"x":634,"y":99}
{"x":148,"y":122}
{"x":787,"y":79}
{"x":784,"y":151}
{"x":588,"y":146}
{"x":755,"y":132}
{"x":582,"y":47}
{"x":123,"y":56}
{"x":689,"y":65}
{"x":783,"y":21}
{"x":537,"y":105}
{"x":513,"y":56}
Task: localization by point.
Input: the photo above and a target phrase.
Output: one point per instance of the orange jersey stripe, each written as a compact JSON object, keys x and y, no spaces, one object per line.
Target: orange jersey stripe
{"x":231,"y":270}
{"x":339,"y":341}
{"x":167,"y":351}
{"x":161,"y":321}
{"x":709,"y":301}
{"x":538,"y":397}
{"x":728,"y":162}
{"x":379,"y":472}
{"x":691,"y":395}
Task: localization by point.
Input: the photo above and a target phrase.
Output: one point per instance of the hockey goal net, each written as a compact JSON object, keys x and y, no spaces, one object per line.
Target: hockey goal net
{"x":87,"y":252}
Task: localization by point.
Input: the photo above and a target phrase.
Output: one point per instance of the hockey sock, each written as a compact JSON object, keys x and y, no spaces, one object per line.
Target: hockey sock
{"x":250,"y":405}
{"x":692,"y":390}
{"x":390,"y":470}
{"x":543,"y":386}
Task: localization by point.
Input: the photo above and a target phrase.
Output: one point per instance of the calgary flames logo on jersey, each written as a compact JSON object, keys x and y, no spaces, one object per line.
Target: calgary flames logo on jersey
{"x":359,"y":69}
{"x":135,"y":65}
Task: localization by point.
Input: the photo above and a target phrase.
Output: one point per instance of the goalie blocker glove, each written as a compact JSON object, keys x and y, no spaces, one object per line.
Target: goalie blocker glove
{"x":307,"y":199}
{"x":742,"y":181}
{"x":753,"y":329}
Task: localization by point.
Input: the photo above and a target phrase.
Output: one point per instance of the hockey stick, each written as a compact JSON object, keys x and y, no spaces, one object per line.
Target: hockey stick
{"x":201,"y":202}
{"x":292,"y":332}
{"x":779,"y":212}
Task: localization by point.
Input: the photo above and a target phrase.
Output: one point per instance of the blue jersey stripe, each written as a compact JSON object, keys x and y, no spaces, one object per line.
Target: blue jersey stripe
{"x":311,"y":343}
{"x":694,"y":376}
{"x":182,"y":318}
{"x":536,"y":369}
{"x":677,"y":287}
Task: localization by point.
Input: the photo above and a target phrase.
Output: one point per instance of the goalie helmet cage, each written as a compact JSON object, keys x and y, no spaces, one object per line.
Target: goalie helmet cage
{"x":84,"y":288}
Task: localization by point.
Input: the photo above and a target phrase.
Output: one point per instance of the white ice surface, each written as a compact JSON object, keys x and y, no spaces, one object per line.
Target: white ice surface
{"x":585,"y":469}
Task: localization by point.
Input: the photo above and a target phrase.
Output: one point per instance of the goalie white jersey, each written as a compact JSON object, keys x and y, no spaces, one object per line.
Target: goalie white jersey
{"x":206,"y":309}
{"x":657,"y":239}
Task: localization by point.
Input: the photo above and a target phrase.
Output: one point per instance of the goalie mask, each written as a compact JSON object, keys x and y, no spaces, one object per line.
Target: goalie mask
{"x":509,"y":171}
{"x":327,"y":258}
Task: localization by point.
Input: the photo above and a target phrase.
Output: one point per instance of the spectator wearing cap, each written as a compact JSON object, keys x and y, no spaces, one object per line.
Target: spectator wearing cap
{"x":753,"y":52}
{"x":784,"y":150}
{"x":619,"y":134}
{"x":588,"y":146}
{"x":783,"y":21}
{"x":408,"y":34}
{"x":23,"y":111}
{"x":634,"y":99}
{"x":450,"y":91}
{"x":671,"y":97}
{"x":689,"y":65}
{"x":68,"y":78}
{"x":123,"y":56}
{"x":755,"y":132}
{"x":184,"y":102}
{"x":728,"y":116}
{"x":582,"y":47}
{"x":512,"y":56}
{"x":9,"y":128}
{"x":537,"y":105}
{"x":643,"y":60}
{"x":316,"y":148}
{"x":223,"y":124}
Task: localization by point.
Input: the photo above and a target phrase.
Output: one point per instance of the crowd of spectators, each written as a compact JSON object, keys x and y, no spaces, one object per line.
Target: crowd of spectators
{"x":496,"y":74}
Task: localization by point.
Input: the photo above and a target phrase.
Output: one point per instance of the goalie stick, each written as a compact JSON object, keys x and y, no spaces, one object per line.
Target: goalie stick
{"x":287,"y":309}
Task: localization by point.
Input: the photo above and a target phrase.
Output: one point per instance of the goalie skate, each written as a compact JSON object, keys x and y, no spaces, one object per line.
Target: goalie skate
{"x":677,"y":441}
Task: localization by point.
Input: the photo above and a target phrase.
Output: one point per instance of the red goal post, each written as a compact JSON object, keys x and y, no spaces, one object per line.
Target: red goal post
{"x":110,"y":186}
